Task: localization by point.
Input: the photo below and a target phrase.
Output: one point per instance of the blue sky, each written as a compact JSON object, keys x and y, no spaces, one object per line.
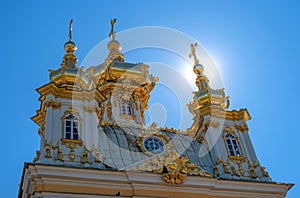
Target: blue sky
{"x":255,"y":45}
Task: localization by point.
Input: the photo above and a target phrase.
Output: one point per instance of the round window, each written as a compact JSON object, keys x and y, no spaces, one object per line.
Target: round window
{"x":154,"y":145}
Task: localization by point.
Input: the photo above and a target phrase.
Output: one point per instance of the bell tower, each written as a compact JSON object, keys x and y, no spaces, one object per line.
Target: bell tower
{"x":126,"y":87}
{"x":224,"y":133}
{"x":68,"y":110}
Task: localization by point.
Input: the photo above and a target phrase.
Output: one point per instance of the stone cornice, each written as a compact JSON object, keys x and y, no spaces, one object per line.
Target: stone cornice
{"x":64,"y":180}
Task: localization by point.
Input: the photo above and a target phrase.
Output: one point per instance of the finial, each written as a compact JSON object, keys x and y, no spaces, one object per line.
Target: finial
{"x":70,"y":59}
{"x":113,"y":46}
{"x":70,"y":30}
{"x":193,"y":53}
{"x":112,"y":29}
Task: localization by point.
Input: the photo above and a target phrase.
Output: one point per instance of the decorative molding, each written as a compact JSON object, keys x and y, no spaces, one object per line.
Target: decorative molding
{"x":229,"y":130}
{"x":60,"y":155}
{"x":172,"y":130}
{"x":252,"y":170}
{"x":216,"y":171}
{"x":109,"y":109}
{"x":127,"y":117}
{"x":41,"y":114}
{"x":71,"y":111}
{"x":71,"y":144}
{"x":264,"y":172}
{"x":237,"y":159}
{"x":242,"y":128}
{"x":177,"y":171}
{"x":234,"y":171}
{"x":99,"y":113}
{"x":90,"y":109}
{"x":225,"y":168}
{"x":48,"y":152}
{"x":218,"y":161}
{"x":85,"y":155}
{"x":37,"y":156}
{"x":177,"y":167}
{"x":39,"y":178}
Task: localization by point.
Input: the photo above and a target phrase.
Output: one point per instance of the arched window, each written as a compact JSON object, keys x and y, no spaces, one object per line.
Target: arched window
{"x":126,"y":108}
{"x":71,"y":127}
{"x":232,"y":145}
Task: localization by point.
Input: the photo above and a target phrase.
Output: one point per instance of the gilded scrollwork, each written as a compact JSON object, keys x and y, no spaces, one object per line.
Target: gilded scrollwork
{"x":90,"y":108}
{"x":252,"y":170}
{"x":99,"y":113}
{"x":216,"y":171}
{"x":53,"y":104}
{"x":109,"y":109}
{"x":253,"y":173}
{"x":234,"y":171}
{"x":237,"y":159}
{"x":41,"y":114}
{"x":202,"y":140}
{"x":72,"y":156}
{"x":228,"y":129}
{"x":172,"y":130}
{"x":71,"y":144}
{"x":242,"y":128}
{"x":97,"y":156}
{"x":60,"y":155}
{"x":264,"y":172}
{"x":177,"y":167}
{"x":225,"y":168}
{"x":177,"y":171}
{"x":71,"y":111}
{"x":206,"y":126}
{"x":85,"y":155}
{"x":218,"y":161}
{"x":48,"y":152}
{"x":241,"y":171}
{"x":37,"y":156}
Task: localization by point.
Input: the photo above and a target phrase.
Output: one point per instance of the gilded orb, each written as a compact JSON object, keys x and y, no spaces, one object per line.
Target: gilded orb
{"x":70,"y":45}
{"x":198,"y":69}
{"x":114,"y":45}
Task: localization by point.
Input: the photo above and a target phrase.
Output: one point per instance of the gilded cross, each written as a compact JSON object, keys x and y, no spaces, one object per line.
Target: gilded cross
{"x":193,"y":53}
{"x":70,"y":30}
{"x":112,"y":31}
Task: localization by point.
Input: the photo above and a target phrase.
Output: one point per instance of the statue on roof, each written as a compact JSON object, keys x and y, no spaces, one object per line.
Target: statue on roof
{"x":193,"y":53}
{"x":112,"y":31}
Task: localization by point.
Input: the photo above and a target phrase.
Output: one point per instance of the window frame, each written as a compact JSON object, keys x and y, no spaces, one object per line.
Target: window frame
{"x":73,"y":132}
{"x":232,"y":145}
{"x":126,"y":108}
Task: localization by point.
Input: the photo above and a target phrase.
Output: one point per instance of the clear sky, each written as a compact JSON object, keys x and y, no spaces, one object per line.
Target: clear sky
{"x":255,"y":45}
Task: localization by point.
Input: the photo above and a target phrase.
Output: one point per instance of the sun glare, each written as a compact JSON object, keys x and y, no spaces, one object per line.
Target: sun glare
{"x":188,"y":74}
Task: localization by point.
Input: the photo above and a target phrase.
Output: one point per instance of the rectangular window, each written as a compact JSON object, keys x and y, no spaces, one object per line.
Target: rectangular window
{"x":232,"y":145}
{"x":71,"y":127}
{"x":126,"y":108}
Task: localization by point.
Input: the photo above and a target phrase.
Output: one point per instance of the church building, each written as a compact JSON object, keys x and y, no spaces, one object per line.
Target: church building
{"x":94,"y":141}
